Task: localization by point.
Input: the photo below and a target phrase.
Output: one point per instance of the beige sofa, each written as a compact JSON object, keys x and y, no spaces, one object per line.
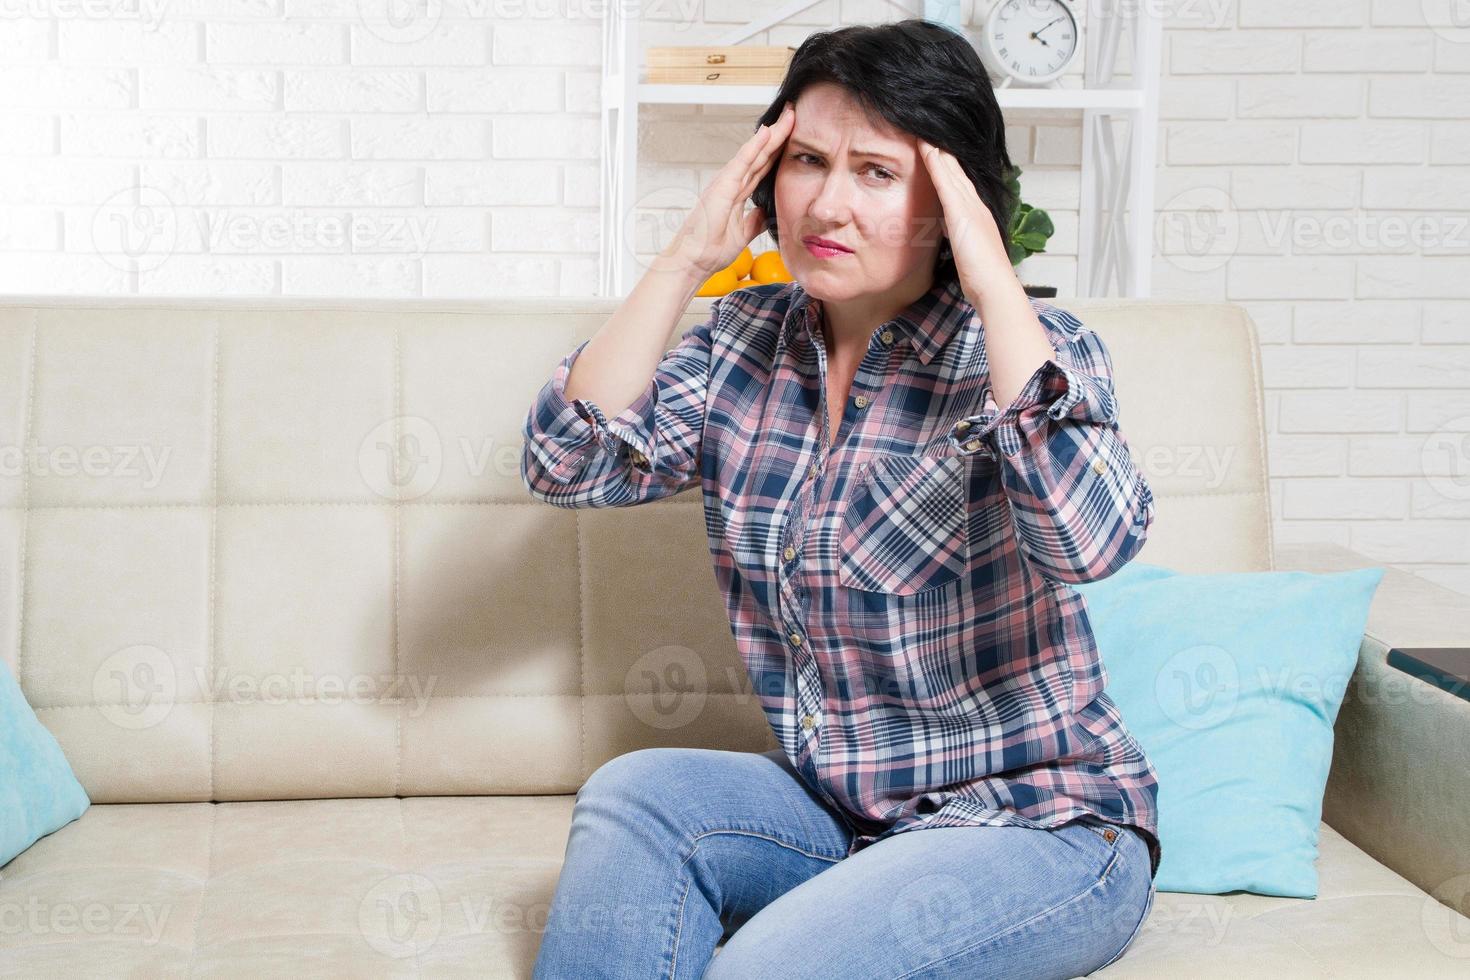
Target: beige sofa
{"x":331,"y":702}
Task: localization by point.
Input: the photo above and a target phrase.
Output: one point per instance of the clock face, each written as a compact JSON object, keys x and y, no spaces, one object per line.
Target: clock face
{"x":1033,"y":39}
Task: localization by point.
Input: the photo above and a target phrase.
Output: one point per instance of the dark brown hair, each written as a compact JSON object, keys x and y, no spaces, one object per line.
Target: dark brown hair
{"x":920,"y":78}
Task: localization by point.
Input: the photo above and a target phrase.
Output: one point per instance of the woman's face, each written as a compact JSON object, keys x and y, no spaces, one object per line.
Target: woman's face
{"x":865,"y":188}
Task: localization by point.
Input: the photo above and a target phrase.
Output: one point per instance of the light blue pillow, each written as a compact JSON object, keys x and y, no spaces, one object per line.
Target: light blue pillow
{"x":38,"y":791}
{"x":1231,"y":682}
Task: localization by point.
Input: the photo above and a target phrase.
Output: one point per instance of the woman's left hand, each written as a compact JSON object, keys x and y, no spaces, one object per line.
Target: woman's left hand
{"x":980,"y":256}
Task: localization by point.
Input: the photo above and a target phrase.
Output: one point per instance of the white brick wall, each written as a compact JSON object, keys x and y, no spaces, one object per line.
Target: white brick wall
{"x":1333,"y":139}
{"x":321,"y":147}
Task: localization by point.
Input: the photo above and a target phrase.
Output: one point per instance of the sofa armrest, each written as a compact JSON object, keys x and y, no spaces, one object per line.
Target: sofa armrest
{"x":1399,"y":787}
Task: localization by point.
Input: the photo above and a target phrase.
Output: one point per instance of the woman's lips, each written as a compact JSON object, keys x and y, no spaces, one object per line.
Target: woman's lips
{"x":823,"y":251}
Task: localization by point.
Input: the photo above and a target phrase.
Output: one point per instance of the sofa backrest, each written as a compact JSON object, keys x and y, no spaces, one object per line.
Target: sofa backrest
{"x":280,"y":549}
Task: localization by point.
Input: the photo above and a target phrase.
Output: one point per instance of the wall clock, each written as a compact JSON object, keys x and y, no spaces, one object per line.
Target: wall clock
{"x":1027,"y":42}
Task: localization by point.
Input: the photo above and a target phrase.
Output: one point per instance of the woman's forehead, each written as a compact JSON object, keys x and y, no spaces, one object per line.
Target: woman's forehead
{"x":829,"y":131}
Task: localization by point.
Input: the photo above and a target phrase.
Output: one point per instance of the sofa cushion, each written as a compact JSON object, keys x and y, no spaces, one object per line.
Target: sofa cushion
{"x":1232,"y":682}
{"x":381,"y":886}
{"x":38,"y":791}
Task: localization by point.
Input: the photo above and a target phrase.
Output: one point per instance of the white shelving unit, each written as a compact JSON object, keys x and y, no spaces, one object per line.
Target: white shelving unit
{"x":1115,"y":247}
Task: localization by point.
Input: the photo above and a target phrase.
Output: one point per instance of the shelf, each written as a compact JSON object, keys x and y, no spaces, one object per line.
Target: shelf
{"x":1118,"y":115}
{"x":1009,"y":98}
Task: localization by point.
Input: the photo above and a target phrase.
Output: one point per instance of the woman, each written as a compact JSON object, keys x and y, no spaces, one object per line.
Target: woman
{"x":894,"y":551}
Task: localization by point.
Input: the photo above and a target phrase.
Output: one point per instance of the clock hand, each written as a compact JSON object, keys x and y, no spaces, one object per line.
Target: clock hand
{"x":1040,"y":29}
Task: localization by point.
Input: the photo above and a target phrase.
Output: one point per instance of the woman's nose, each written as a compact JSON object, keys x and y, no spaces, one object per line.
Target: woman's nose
{"x":830,"y":205}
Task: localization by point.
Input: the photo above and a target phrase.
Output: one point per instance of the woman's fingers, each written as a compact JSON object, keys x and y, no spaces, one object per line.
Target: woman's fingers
{"x":957,"y":195}
{"x":755,"y":222}
{"x":777,"y":134}
{"x":735,"y":175}
{"x":719,"y":215}
{"x":751,"y":151}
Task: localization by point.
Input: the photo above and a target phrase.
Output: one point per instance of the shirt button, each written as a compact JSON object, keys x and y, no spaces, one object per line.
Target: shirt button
{"x":807,"y":721}
{"x":811,"y":474}
{"x":1099,"y":465}
{"x":796,"y":639}
{"x":886,"y":336}
{"x":790,"y":552}
{"x":861,"y":401}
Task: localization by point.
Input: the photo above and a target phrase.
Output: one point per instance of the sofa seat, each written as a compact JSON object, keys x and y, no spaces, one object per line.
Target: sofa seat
{"x":460,"y":885}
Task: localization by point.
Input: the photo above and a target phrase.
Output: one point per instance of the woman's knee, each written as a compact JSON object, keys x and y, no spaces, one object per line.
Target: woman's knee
{"x":648,"y":777}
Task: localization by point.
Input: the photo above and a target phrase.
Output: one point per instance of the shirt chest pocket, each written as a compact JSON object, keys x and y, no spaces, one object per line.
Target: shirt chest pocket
{"x":903,"y":526}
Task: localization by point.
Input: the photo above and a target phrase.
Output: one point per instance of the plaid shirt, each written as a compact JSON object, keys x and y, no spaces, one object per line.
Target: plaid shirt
{"x":901,"y":600}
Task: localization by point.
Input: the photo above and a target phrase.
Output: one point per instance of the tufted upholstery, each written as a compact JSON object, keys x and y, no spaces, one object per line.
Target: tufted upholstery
{"x":277,"y":555}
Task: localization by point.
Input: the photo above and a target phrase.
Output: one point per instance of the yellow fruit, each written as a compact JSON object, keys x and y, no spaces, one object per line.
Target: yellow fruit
{"x":742,"y":263}
{"x":719,"y":284}
{"x":768,"y":267}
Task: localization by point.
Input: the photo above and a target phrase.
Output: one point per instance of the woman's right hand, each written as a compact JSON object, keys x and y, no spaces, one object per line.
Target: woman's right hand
{"x":718,"y":228}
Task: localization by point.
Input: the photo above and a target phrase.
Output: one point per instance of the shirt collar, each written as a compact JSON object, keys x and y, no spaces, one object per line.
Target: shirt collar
{"x":929,"y":321}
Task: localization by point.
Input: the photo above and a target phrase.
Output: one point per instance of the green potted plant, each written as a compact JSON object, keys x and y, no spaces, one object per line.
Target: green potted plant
{"x":1029,"y":229}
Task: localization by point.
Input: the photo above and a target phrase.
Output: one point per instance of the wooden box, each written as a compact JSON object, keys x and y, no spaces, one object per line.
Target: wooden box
{"x":730,"y":64}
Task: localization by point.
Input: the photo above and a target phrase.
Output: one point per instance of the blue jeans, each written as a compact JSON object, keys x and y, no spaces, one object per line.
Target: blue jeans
{"x":673,"y":849}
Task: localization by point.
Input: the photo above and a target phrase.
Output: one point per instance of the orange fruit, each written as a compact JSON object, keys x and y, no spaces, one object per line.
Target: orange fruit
{"x":742,"y":263}
{"x":719,"y":284}
{"x":768,"y":267}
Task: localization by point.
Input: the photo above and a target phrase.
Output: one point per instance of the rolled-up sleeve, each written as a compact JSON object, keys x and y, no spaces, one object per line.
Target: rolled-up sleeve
{"x":1082,"y":507}
{"x":575,"y":456}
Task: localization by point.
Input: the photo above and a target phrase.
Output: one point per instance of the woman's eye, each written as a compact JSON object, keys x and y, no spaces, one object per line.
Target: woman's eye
{"x":884,"y":174}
